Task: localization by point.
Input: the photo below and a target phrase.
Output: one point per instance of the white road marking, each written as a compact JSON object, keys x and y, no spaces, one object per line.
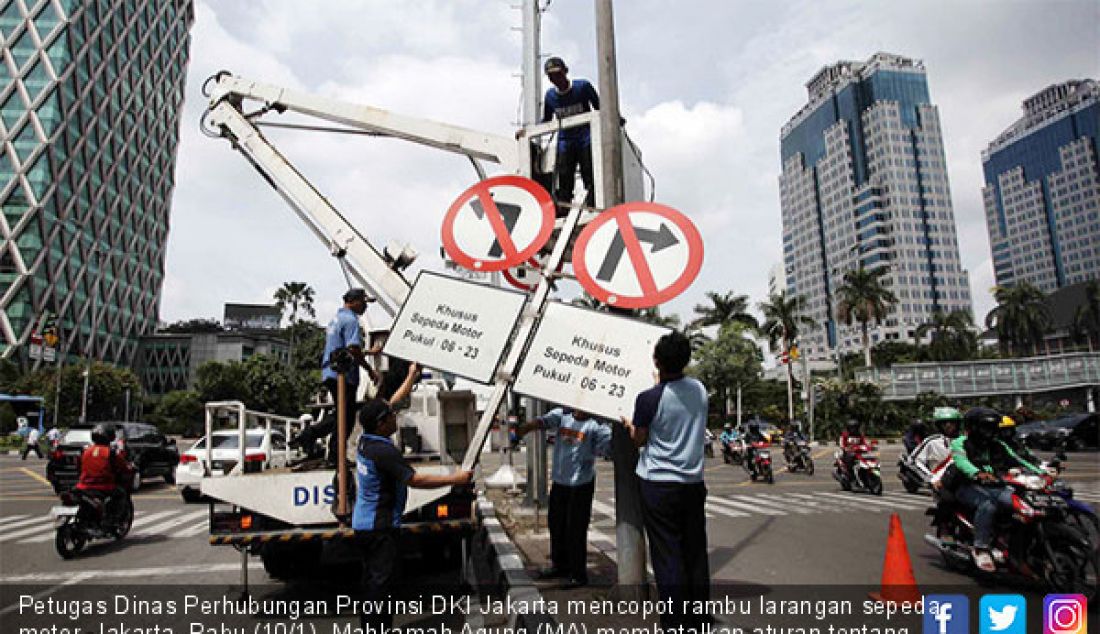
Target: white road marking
{"x":843,"y":503}
{"x":725,"y":501}
{"x":874,"y":500}
{"x":137,"y":522}
{"x":711,"y":506}
{"x":164,"y":526}
{"x":772,"y":503}
{"x":11,"y":519}
{"x":201,"y":527}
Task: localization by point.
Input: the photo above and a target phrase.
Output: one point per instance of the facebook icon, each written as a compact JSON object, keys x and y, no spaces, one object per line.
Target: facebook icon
{"x":946,"y":614}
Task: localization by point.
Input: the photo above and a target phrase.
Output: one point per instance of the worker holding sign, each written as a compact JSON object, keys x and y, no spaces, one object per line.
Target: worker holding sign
{"x":669,"y":425}
{"x":580,"y":438}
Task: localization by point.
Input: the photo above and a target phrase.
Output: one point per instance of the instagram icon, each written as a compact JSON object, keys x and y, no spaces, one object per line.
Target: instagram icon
{"x":1065,"y":614}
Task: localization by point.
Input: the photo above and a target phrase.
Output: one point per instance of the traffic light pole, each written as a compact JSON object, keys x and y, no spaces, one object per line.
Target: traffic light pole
{"x":629,"y":539}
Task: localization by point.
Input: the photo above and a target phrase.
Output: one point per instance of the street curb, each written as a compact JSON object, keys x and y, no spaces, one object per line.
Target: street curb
{"x":508,"y":570}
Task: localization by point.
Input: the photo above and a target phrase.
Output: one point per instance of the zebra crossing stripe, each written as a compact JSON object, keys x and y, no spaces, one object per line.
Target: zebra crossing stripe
{"x":19,"y":523}
{"x":842,"y":504}
{"x":867,"y":499}
{"x":180,"y":519}
{"x":42,"y":524}
{"x":820,"y":505}
{"x":711,"y":506}
{"x":746,"y":507}
{"x":201,"y":527}
{"x":10,"y":518}
{"x":603,"y":508}
{"x":1088,"y":497}
{"x":137,"y":522}
{"x":771,"y":503}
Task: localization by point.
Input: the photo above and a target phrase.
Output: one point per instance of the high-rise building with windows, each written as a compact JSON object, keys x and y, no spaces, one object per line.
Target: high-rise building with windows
{"x":864,"y":184}
{"x":1042,"y":190}
{"x":90,"y":98}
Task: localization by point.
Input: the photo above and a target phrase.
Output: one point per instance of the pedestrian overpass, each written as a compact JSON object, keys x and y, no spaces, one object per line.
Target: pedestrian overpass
{"x":1012,"y":377}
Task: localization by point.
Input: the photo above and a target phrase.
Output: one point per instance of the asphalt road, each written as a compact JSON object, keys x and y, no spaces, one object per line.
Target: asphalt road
{"x":804,"y":530}
{"x":800,"y":530}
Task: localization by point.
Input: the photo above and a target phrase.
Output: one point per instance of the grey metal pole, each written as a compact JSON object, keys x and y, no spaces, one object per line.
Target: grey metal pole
{"x":629,"y":538}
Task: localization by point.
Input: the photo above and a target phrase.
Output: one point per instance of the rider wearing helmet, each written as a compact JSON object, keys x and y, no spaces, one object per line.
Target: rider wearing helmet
{"x":753,"y":435}
{"x":103,"y":471}
{"x":791,"y":439}
{"x":851,"y":439}
{"x":976,"y":456}
{"x":936,"y":450}
{"x":914,"y":435}
{"x":1006,"y":433}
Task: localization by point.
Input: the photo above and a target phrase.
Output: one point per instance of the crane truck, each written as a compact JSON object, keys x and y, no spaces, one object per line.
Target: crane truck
{"x":283,"y":515}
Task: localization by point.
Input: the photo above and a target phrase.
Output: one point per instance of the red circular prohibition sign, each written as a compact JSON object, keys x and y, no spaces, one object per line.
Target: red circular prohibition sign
{"x":512,"y":255}
{"x":651,"y":295}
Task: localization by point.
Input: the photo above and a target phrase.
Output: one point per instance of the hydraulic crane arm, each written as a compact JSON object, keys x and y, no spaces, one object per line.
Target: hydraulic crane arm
{"x":226,"y":114}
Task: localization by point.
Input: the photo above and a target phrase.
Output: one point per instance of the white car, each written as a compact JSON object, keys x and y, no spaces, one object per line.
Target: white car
{"x":263,"y":450}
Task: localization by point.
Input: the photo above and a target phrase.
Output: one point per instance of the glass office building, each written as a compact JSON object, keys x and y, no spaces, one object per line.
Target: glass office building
{"x":90,"y":100}
{"x":1042,"y":190}
{"x":864,"y":183}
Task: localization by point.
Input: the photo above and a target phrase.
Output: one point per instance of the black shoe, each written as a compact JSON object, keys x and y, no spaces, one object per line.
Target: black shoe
{"x":574,"y":582}
{"x":551,"y":573}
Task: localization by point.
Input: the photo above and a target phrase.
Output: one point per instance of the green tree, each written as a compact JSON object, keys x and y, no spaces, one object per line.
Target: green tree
{"x":1086,"y":319}
{"x":1020,"y":318}
{"x":784,"y":318}
{"x":889,"y":352}
{"x":725,"y":308}
{"x":309,"y":348}
{"x":864,"y":298}
{"x":260,"y":382}
{"x":107,"y":387}
{"x":217,"y":381}
{"x":293,"y":298}
{"x":653,"y":315}
{"x":729,"y":361}
{"x":952,"y":336}
{"x":179,"y":411}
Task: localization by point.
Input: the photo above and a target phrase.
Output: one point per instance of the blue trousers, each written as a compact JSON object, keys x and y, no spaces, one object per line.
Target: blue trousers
{"x":985,"y":502}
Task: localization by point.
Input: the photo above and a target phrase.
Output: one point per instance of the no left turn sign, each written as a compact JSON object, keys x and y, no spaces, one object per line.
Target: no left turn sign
{"x":638,"y":255}
{"x":498,"y":223}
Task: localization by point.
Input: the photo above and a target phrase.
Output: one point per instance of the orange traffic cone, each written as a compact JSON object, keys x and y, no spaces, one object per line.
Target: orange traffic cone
{"x":898,"y":583}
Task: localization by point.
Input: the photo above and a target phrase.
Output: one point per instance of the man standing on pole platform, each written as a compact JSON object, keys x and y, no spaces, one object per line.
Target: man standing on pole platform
{"x":669,"y":426}
{"x":565,"y":99}
{"x":342,"y":332}
{"x":580,"y":438}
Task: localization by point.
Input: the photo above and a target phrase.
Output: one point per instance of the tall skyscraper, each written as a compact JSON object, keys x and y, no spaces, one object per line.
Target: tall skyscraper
{"x":1042,"y":190}
{"x":89,"y":118}
{"x":864,"y":183}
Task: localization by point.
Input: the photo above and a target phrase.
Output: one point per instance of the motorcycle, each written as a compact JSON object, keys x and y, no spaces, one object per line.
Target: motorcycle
{"x":83,"y":517}
{"x":913,"y":473}
{"x":732,"y":453}
{"x":1036,"y":540}
{"x":761,"y":464}
{"x":866,"y":473}
{"x":708,"y":446}
{"x":797,"y":455}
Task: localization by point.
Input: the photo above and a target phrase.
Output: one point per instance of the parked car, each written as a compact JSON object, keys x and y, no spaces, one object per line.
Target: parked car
{"x":152,"y":453}
{"x":1032,"y":434}
{"x":1074,"y":432}
{"x":263,"y":450}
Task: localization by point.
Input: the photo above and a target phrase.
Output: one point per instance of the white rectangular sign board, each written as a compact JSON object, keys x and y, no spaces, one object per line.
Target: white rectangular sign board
{"x":455,"y":326}
{"x":589,"y":360}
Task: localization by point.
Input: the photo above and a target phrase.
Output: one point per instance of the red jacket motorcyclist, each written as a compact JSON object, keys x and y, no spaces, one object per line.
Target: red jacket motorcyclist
{"x":102,"y":468}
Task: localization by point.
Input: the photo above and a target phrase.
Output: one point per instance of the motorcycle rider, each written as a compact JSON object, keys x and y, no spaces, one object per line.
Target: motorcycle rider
{"x":914,"y":435}
{"x":751,"y":437}
{"x":851,"y":439}
{"x":1006,"y":433}
{"x":936,"y":450}
{"x":977,"y":456}
{"x":104,"y":470}
{"x":791,"y":439}
{"x":727,"y":438}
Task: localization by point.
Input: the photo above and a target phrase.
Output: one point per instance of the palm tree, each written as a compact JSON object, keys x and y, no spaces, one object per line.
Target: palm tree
{"x":1020,"y":318}
{"x":1087,"y":318}
{"x":298,"y":297}
{"x":783,"y":317}
{"x":725,"y":308}
{"x":952,"y":336}
{"x":653,"y":315}
{"x":865,"y":298}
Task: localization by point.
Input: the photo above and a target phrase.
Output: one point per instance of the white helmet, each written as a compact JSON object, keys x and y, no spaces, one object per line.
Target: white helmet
{"x":306,"y":419}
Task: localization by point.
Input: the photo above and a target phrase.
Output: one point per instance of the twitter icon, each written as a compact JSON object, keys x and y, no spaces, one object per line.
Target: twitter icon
{"x":1002,"y":614}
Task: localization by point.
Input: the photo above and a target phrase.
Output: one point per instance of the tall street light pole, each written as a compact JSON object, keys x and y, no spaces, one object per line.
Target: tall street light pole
{"x":630,"y":541}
